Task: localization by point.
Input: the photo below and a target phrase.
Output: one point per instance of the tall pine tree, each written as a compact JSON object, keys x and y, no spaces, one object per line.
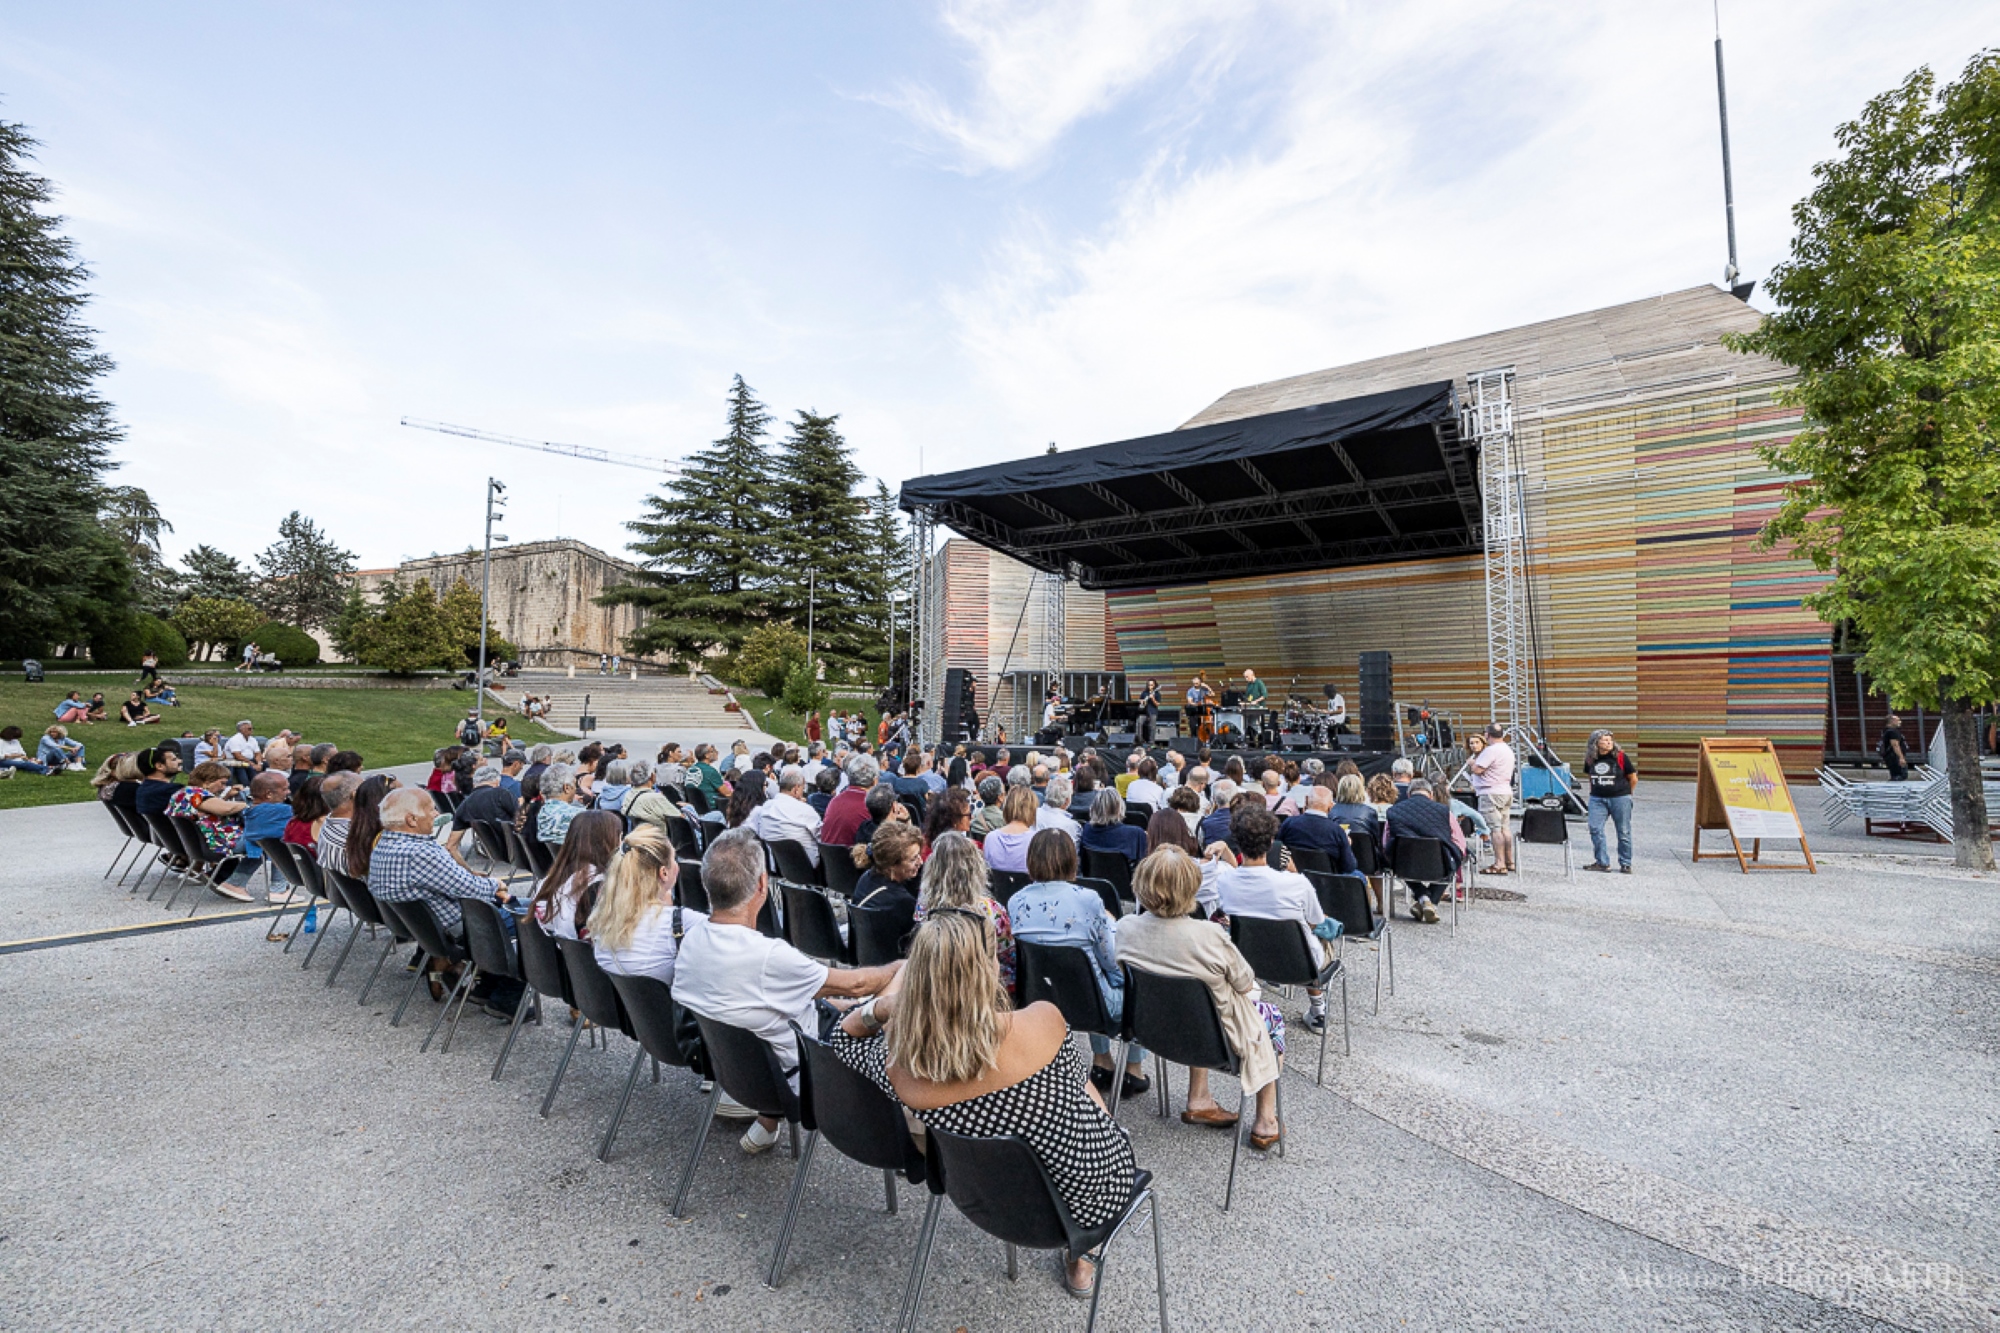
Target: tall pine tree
{"x":886,"y":561}
{"x":709,"y":543}
{"x":54,"y":429}
{"x":826,"y":532}
{"x":304,"y":574}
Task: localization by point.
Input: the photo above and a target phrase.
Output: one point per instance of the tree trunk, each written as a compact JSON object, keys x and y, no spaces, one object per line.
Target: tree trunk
{"x":1971,"y":845}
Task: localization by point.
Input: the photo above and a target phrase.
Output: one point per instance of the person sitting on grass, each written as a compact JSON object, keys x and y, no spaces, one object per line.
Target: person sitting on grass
{"x":730,"y":972}
{"x":135,"y":713}
{"x":158,"y":691}
{"x":97,"y":710}
{"x":58,"y":750}
{"x":13,"y":757}
{"x":1053,"y":910}
{"x":73,"y":709}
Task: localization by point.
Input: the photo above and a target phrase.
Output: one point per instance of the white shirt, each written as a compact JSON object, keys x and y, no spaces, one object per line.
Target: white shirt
{"x":1147,"y":792}
{"x":241,"y":747}
{"x":786,"y":818}
{"x":651,"y":950}
{"x":736,"y":975}
{"x":1280,"y":895}
{"x":1338,"y":704}
{"x":12,"y":750}
{"x":1047,"y":816}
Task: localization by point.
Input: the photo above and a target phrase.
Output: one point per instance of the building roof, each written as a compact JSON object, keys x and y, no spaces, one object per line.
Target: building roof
{"x":1623,"y":353}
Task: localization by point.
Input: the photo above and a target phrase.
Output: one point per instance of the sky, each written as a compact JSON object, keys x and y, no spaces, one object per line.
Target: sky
{"x":971,"y":228}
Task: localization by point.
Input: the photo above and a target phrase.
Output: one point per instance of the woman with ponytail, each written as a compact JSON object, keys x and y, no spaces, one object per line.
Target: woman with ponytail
{"x":636,"y":928}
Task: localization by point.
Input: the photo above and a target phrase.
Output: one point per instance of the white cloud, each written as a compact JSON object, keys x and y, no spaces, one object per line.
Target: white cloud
{"x":1041,"y":66}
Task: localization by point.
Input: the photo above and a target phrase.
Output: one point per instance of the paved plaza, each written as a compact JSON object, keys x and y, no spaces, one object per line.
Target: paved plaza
{"x":1681,"y":1099}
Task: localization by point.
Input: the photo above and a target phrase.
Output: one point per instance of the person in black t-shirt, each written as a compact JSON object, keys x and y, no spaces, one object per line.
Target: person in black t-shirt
{"x":487,"y":800}
{"x":1612,"y":776}
{"x":1895,"y":750}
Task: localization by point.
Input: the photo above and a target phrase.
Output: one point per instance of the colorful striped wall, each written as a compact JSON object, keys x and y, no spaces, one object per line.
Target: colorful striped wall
{"x":1658,"y":615}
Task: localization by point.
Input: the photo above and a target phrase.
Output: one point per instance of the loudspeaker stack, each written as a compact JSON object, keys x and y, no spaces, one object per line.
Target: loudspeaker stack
{"x":1378,"y":702}
{"x":958,"y":701}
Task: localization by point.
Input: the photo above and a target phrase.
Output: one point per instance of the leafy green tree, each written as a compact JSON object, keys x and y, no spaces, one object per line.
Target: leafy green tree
{"x":708,"y":544}
{"x":303,"y":575}
{"x":825,"y":528}
{"x":123,"y":644}
{"x":352,"y":624}
{"x":215,"y":622}
{"x":767,"y":657}
{"x":411,"y":634}
{"x":803,"y":690}
{"x":213,"y":573}
{"x":54,"y":429}
{"x":460,"y":606}
{"x":1890,"y":311}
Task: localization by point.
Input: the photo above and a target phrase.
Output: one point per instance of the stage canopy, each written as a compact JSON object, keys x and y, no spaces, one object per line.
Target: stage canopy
{"x":1380,"y":477}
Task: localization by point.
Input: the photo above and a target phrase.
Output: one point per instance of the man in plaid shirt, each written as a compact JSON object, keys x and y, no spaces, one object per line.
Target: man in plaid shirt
{"x":409,"y":865}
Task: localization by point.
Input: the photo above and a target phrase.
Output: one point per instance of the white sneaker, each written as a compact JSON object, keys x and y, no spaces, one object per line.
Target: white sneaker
{"x":731,"y":1109}
{"x":757,"y":1139}
{"x":74,"y":768}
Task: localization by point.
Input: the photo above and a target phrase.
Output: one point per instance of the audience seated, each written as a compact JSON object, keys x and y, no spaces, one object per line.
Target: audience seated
{"x":787,"y":817}
{"x":1351,"y":809}
{"x":134,"y":711}
{"x":613,"y":786}
{"x":950,"y":811}
{"x":13,"y":758}
{"x":884,"y":807}
{"x":1215,"y":828}
{"x":636,"y":927}
{"x":1252,"y":887}
{"x":1382,"y":794}
{"x":945,"y":1041}
{"x":1418,"y":815}
{"x":558,"y":805}
{"x":990,"y":815}
{"x":847,"y":811}
{"x":1053,"y":910}
{"x":1168,"y":939}
{"x":1273,"y":784}
{"x":1108,"y":831}
{"x":728,"y":971}
{"x":646,"y":803}
{"x":365,"y":828}
{"x":890,"y":864}
{"x":242,"y":752}
{"x":1007,"y":846}
{"x":1144,"y":788}
{"x":308,"y":813}
{"x":566,"y":895}
{"x":336,"y":793}
{"x":955,"y":876}
{"x":1054,"y":809}
{"x":487,"y":801}
{"x":219,"y":816}
{"x":1315,"y":828}
{"x":268,"y":815}
{"x":408,"y":865}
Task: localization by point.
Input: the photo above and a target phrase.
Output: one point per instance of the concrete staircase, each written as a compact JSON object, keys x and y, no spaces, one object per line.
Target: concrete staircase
{"x":650,"y":703}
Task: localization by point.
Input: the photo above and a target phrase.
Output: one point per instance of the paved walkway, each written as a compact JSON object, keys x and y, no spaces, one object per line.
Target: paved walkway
{"x":1683,"y":1099}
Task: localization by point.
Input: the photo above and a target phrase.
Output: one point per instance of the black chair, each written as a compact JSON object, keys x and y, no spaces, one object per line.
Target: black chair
{"x":542,"y":966}
{"x":203,"y":866}
{"x":539,"y":855}
{"x":697,"y":798}
{"x":1546,"y":827}
{"x":838,"y":869}
{"x":1345,"y":899}
{"x":689,"y":889}
{"x":1138,"y":814}
{"x":1277,"y":952}
{"x":1109,"y":866}
{"x":858,"y":1119}
{"x":277,"y":856}
{"x":492,"y":845}
{"x":161,"y":831}
{"x":1175,"y":1019}
{"x":1000,"y":1186}
{"x":518,"y":856}
{"x":1422,"y":861}
{"x":367,"y":914}
{"x":141,"y":830}
{"x":496,"y":956}
{"x":432,"y":938}
{"x":598,"y":1000}
{"x":685,"y":838}
{"x":1004,"y":884}
{"x":327,"y":885}
{"x":810,"y":926}
{"x":743,"y":1065}
{"x":1065,"y":976}
{"x":1105,"y":892}
{"x":877,"y":934}
{"x":125,"y":827}
{"x":1308,"y":859}
{"x":915,"y":805}
{"x":793,"y":863}
{"x":1368,"y":861}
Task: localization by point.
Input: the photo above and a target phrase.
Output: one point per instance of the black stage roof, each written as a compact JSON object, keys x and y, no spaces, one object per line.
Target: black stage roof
{"x":1365,"y":480}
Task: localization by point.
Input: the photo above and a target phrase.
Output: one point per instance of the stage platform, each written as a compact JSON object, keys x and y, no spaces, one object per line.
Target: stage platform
{"x":1370,"y":762}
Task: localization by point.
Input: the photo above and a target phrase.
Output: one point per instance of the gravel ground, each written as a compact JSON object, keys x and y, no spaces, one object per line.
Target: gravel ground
{"x":1683,"y":1099}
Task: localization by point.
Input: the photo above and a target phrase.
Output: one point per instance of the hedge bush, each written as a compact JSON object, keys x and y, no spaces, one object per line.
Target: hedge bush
{"x":120,"y":645}
{"x":293,"y":647}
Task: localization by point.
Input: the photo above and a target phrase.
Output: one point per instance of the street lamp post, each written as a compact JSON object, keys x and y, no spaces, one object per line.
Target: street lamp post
{"x":495,"y":498}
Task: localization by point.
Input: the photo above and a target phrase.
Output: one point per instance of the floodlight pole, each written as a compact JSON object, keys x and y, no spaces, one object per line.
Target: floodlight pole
{"x":495,"y":490}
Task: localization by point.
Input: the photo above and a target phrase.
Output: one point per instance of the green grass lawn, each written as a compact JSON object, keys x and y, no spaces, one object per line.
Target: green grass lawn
{"x":386,"y":726}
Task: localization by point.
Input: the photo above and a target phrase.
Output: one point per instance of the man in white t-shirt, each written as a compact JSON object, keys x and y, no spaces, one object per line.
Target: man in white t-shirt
{"x":1144,"y":788}
{"x":786,"y":817}
{"x":731,"y":973}
{"x":1492,"y":769}
{"x":1253,"y":887}
{"x":242,"y":753}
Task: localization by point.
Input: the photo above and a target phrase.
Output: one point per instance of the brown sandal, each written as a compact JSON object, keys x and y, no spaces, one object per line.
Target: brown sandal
{"x":1264,"y":1142}
{"x":1214,"y":1116}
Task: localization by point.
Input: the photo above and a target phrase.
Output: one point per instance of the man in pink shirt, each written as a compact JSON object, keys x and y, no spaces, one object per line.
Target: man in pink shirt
{"x":1492,"y":769}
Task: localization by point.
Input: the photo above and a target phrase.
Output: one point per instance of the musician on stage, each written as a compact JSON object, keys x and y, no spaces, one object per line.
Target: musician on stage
{"x":1149,"y":710}
{"x":1199,"y":697}
{"x":1254,"y":692}
{"x":1051,"y":709}
{"x":1336,"y":704}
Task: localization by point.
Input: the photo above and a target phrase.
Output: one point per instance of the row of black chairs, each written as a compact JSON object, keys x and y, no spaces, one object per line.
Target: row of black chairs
{"x":180,"y":853}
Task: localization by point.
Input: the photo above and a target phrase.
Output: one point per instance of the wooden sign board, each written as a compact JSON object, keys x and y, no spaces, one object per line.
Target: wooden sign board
{"x":1740,"y":789}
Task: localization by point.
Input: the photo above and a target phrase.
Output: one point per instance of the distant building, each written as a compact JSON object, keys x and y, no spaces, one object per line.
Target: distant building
{"x":543,"y":599}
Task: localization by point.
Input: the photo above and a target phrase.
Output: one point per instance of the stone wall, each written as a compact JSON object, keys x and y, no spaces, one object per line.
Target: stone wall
{"x":543,"y":599}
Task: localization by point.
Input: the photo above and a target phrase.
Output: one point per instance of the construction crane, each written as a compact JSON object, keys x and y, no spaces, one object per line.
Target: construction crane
{"x":662,"y":466}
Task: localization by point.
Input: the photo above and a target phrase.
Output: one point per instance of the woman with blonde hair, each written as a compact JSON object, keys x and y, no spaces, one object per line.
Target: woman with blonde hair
{"x":955,"y":876}
{"x":637,"y":926}
{"x":945,"y":1041}
{"x":1166,"y":941}
{"x":1007,"y":846}
{"x":1351,"y":809}
{"x":1381,"y":793}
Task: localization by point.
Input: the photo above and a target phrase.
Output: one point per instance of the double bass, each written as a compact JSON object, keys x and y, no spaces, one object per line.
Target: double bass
{"x":1201,"y":708}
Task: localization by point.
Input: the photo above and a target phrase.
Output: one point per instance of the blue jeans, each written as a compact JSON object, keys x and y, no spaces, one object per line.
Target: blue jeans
{"x":1619,"y":810}
{"x":1114,"y":1005}
{"x":26,"y":766}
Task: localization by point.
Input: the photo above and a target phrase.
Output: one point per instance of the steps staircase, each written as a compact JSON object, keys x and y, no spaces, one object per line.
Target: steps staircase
{"x":650,"y":703}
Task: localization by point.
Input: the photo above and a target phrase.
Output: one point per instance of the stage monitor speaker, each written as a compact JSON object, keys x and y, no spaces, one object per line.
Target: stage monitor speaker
{"x":1164,"y":732}
{"x":1076,"y":742}
{"x":1122,"y":739}
{"x":1295,"y":740}
{"x":1187,"y":745}
{"x":1378,"y":701}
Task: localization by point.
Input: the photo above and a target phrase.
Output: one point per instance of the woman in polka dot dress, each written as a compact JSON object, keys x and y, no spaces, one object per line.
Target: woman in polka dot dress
{"x":944,"y":1041}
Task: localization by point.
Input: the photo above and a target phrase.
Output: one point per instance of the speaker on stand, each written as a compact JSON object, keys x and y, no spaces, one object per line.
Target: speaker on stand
{"x":1378,"y":702}
{"x":960,"y":719}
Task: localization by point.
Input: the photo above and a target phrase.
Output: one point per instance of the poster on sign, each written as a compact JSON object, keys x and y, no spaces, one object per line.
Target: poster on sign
{"x":1740,"y":789}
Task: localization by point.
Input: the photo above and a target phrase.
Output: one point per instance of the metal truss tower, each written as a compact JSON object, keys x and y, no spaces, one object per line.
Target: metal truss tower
{"x":1487,"y":417}
{"x":927,"y":618}
{"x":1055,"y":629}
